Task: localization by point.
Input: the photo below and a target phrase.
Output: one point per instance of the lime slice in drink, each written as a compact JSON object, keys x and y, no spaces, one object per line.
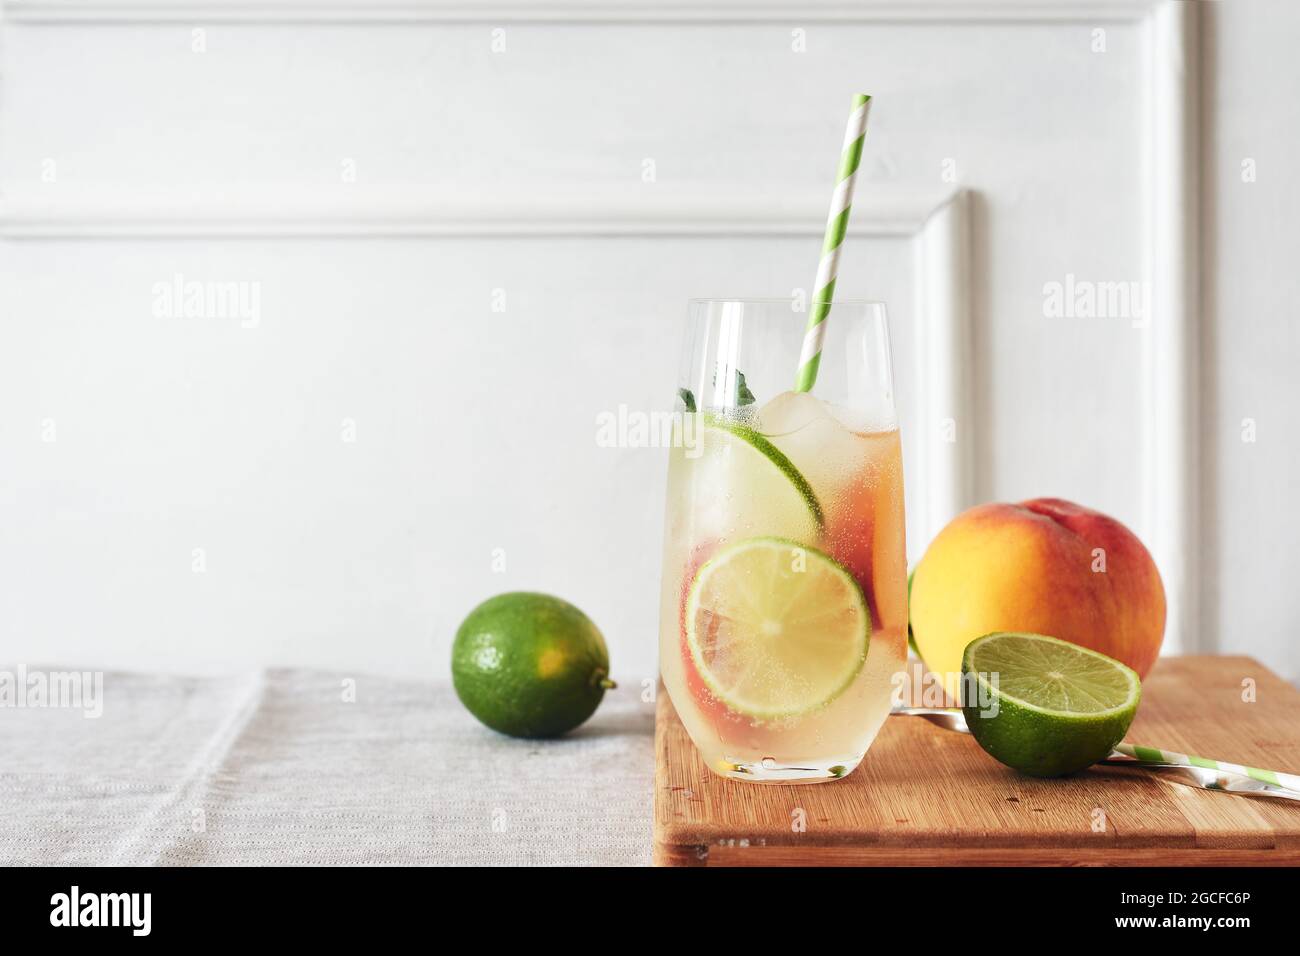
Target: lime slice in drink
{"x":775,"y":628}
{"x":762,"y":462}
{"x":734,"y":483}
{"x":1044,"y":706}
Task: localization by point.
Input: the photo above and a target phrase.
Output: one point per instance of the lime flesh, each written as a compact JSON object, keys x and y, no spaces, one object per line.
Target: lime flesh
{"x":776,"y":629}
{"x":1044,"y":706}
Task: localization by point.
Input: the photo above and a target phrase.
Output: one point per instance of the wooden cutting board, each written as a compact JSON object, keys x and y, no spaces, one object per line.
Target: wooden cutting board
{"x":929,"y":796}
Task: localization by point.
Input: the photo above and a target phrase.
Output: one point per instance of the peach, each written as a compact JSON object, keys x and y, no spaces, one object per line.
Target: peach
{"x":1046,"y":566}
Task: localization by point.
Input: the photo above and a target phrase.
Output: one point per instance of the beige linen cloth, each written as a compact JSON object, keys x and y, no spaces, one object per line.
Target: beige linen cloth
{"x":279,"y":767}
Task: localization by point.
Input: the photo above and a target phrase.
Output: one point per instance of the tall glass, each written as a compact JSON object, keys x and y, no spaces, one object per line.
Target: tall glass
{"x":783,"y":615}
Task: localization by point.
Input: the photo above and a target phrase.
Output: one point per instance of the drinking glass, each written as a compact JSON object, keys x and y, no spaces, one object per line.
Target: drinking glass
{"x":783,"y":615}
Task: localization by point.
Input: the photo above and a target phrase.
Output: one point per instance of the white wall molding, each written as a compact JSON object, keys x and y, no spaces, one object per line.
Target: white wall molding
{"x":1171,"y":413}
{"x":573,"y":11}
{"x":944,"y":359}
{"x":937,"y":222}
{"x":394,"y":213}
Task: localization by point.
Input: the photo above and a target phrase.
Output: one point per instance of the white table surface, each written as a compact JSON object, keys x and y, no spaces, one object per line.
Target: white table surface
{"x":276,"y":768}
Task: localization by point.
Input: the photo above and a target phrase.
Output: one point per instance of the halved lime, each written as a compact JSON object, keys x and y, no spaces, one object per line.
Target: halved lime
{"x":776,"y":628}
{"x":730,"y":437}
{"x":1044,"y":706}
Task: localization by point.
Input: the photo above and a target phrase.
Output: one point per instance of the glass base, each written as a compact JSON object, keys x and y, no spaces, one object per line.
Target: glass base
{"x":770,"y":770}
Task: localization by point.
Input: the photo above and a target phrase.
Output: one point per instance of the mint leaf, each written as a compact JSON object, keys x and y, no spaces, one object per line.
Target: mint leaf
{"x":743,"y":395}
{"x":739,"y":399}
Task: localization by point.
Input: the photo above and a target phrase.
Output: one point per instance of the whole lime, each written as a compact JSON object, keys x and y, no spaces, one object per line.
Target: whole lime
{"x":529,"y":665}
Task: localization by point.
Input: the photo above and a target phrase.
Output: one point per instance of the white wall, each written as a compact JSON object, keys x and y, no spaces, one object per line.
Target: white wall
{"x":1251,"y":330}
{"x":522,"y":170}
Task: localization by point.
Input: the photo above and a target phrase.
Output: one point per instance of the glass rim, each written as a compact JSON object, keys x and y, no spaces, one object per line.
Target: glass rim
{"x":774,"y":300}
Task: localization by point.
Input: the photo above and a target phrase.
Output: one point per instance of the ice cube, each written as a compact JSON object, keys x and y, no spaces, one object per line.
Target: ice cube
{"x":864,"y":421}
{"x":789,"y":412}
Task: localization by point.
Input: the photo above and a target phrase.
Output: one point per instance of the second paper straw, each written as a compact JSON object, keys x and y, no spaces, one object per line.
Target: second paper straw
{"x":837,"y":224}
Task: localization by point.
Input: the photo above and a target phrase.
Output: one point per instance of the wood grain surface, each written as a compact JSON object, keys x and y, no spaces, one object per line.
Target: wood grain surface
{"x":930,"y":797}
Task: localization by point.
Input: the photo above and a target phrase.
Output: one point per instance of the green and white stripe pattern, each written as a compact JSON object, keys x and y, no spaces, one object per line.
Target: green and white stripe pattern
{"x":836,"y":225}
{"x":1152,"y":755}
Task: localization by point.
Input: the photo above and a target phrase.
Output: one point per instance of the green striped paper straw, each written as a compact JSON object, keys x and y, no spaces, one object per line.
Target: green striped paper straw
{"x":1152,"y":755}
{"x":836,"y":225}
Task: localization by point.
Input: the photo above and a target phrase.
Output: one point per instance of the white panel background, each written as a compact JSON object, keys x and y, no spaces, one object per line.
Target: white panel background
{"x":476,"y":429}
